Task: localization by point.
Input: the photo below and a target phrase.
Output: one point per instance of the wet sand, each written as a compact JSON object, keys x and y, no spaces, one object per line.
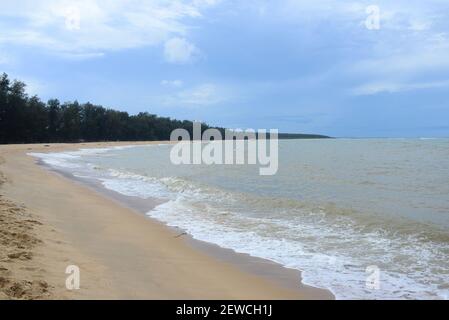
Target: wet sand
{"x":121,"y":253}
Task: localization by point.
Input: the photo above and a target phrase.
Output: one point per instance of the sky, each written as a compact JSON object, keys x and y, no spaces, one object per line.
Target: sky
{"x":341,"y":68}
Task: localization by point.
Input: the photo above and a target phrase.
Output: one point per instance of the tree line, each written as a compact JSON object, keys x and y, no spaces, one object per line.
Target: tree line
{"x":25,"y":119}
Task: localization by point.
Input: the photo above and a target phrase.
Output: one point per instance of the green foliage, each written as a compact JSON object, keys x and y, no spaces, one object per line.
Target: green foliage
{"x":26,"y":119}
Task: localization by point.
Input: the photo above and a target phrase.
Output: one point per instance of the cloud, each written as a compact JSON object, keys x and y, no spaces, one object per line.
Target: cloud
{"x":179,"y":50}
{"x":96,"y":26}
{"x":202,"y":95}
{"x":394,"y":14}
{"x":206,"y":2}
{"x":417,"y":25}
{"x":412,"y":66}
{"x":34,"y":86}
{"x":390,"y":87}
{"x":5,"y":59}
{"x":418,"y":56}
{"x":172,"y":83}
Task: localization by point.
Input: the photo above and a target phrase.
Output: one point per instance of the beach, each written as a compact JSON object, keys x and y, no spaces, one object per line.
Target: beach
{"x":50,"y":222}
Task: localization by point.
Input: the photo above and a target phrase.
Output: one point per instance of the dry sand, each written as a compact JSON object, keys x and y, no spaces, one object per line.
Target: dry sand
{"x":48,"y":222}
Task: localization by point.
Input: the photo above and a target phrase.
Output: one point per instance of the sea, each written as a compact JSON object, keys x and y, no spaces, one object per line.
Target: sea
{"x":363,"y":218}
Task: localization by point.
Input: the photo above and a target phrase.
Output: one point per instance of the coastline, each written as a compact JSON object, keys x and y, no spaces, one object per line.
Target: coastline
{"x":121,"y":252}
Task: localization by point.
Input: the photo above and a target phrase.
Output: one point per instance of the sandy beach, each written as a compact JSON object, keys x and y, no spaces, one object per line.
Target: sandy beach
{"x":49,"y":222}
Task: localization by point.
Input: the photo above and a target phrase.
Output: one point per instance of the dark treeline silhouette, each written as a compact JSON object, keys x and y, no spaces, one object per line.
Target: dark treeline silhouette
{"x":292,"y":136}
{"x":25,"y":119}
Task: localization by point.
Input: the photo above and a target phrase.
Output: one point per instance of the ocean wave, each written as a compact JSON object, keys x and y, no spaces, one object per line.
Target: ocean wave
{"x":331,"y":244}
{"x":326,"y":243}
{"x":313,"y":252}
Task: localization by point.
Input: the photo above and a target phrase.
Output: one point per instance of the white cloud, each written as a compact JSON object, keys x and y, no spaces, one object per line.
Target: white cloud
{"x":179,"y":50}
{"x":72,"y":17}
{"x":172,"y":83}
{"x":4,"y":59}
{"x":394,"y":14}
{"x":391,"y":87}
{"x":206,"y":2}
{"x":412,"y":66}
{"x":202,"y":95}
{"x":426,"y":54}
{"x":34,"y":86}
{"x":418,"y":25}
{"x":86,"y":26}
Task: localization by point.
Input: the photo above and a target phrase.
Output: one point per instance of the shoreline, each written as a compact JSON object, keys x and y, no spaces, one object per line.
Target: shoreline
{"x":181,"y":267}
{"x":273,"y":271}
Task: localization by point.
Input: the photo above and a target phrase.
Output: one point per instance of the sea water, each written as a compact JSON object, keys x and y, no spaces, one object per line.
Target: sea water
{"x":337,"y":209}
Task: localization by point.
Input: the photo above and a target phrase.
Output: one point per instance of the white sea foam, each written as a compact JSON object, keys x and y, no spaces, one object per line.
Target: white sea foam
{"x":64,"y":160}
{"x":67,"y":159}
{"x":332,"y":247}
{"x":135,"y":186}
{"x":343,"y":274}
